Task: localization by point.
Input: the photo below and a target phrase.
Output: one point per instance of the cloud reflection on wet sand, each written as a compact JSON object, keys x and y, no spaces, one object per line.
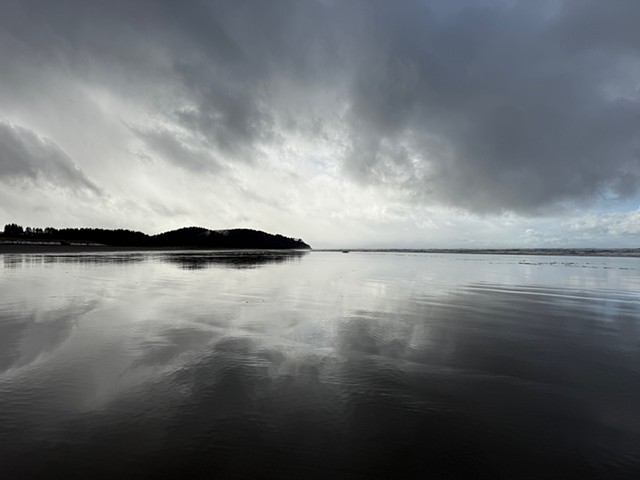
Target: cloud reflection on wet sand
{"x":368,"y":366}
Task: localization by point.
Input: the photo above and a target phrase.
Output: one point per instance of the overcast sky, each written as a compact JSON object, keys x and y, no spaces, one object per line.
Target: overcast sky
{"x":347,"y":123}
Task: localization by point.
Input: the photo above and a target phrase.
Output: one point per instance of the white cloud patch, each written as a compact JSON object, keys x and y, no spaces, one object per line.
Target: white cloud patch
{"x":612,"y":226}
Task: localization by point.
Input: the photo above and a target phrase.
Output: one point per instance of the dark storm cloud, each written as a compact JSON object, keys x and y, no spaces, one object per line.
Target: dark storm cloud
{"x":500,"y":109}
{"x":487,"y":106}
{"x":26,"y":156}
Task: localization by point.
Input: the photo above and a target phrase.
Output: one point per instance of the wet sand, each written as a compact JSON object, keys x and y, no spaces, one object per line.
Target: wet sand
{"x":169,"y":364}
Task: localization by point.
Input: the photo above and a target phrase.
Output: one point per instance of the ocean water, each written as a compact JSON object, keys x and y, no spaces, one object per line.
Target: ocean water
{"x":319,"y":365}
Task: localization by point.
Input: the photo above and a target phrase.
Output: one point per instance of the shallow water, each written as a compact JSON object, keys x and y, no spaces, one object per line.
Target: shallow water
{"x":318,"y":365}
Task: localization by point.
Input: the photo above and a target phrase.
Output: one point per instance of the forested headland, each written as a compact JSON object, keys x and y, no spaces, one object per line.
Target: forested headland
{"x":188,"y":237}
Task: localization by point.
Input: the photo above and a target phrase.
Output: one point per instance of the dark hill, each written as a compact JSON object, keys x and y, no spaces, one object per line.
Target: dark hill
{"x":235,"y":238}
{"x":184,"y":237}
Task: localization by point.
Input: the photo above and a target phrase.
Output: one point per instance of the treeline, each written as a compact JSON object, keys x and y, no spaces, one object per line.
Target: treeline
{"x":184,"y":237}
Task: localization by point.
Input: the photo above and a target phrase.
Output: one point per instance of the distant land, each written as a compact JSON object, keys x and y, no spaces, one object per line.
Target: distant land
{"x":578,"y":252}
{"x":188,"y":237}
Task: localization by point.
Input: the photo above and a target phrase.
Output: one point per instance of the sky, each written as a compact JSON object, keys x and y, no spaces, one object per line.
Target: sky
{"x":348,"y":123}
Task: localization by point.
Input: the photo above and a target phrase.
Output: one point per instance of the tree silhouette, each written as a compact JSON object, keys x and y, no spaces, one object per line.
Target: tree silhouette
{"x":13,"y":230}
{"x":191,"y":237}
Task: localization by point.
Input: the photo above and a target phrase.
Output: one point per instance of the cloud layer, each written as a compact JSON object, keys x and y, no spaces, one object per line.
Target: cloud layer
{"x":24,"y":156}
{"x":415,"y":108}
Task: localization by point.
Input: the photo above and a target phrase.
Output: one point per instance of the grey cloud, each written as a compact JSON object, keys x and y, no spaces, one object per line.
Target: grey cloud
{"x":486,"y":106}
{"x":229,"y":117}
{"x":518,"y":121}
{"x":183,"y":152}
{"x":26,"y":156}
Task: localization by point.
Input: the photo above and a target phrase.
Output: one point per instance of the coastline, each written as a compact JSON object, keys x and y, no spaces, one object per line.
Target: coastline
{"x":42,"y":248}
{"x":15,"y":248}
{"x":568,"y":252}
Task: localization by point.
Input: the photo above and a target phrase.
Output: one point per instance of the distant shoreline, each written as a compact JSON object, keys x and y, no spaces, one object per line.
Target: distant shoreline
{"x":183,"y":238}
{"x":8,"y":248}
{"x":577,"y":252}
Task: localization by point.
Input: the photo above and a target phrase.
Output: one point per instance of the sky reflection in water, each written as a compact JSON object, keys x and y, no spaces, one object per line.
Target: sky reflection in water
{"x":274,"y":365}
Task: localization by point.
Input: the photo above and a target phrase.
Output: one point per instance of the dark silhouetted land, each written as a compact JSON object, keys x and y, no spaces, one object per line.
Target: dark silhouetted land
{"x":189,"y":237}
